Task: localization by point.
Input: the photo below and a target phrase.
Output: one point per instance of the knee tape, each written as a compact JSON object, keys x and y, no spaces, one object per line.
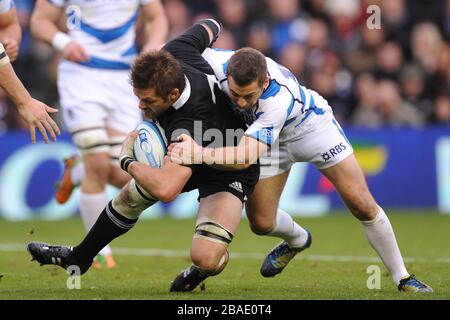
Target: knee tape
{"x":131,"y":201}
{"x":212,"y":231}
{"x":92,"y":139}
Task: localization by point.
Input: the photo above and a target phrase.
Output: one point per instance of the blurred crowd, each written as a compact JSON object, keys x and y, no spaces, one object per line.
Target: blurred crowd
{"x":396,"y":73}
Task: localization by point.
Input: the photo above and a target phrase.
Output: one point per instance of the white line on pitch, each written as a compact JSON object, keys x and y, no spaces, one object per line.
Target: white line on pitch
{"x":148,"y":252}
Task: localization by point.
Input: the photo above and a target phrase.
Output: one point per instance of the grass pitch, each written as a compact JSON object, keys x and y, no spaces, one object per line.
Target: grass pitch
{"x":155,"y":251}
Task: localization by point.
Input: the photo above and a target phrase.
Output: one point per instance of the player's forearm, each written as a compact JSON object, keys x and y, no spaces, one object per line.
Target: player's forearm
{"x":43,"y":29}
{"x":213,"y":27}
{"x":229,"y":158}
{"x":235,"y":158}
{"x":155,"y":181}
{"x":13,"y":87}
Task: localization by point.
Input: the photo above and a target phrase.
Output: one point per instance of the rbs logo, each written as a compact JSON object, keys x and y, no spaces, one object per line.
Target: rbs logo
{"x":334,"y":151}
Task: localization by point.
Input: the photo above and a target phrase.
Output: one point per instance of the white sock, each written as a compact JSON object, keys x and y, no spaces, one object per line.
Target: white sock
{"x":77,"y":173}
{"x":381,"y":237}
{"x":287,"y":229}
{"x":91,"y":205}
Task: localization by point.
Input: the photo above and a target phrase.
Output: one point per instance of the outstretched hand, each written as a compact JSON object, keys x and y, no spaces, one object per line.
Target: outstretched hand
{"x":185,"y":151}
{"x":35,"y":114}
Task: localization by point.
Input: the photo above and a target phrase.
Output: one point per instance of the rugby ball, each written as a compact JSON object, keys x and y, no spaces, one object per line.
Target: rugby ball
{"x":150,"y":146}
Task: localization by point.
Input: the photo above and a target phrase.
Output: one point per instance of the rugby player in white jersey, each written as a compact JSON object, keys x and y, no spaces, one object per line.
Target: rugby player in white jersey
{"x":98,"y":104}
{"x":289,"y":123}
{"x":32,"y":111}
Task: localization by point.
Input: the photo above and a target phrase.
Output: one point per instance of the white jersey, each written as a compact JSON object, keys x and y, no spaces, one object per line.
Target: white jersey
{"x":6,"y":5}
{"x":283,"y":106}
{"x":105,"y":28}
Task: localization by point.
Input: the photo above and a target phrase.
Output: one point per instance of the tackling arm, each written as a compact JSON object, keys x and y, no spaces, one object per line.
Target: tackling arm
{"x":187,"y":152}
{"x":240,"y":157}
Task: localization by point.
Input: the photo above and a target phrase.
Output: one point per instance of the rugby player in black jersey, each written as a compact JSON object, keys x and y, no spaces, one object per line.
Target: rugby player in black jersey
{"x":177,"y":88}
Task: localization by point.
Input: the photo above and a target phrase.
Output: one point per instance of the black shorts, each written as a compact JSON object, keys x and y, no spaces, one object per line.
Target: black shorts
{"x":208,"y":181}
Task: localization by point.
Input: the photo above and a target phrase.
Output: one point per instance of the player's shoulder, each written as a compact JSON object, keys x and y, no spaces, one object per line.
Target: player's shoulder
{"x":276,"y":94}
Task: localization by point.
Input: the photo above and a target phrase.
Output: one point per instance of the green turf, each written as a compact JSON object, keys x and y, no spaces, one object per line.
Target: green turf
{"x":424,"y":237}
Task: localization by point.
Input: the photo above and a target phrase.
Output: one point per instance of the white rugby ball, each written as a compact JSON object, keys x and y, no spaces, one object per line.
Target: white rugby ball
{"x":150,"y":146}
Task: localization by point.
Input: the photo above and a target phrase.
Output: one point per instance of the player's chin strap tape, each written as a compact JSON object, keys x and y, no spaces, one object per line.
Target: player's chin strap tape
{"x":125,"y":162}
{"x":212,"y":231}
{"x":215,"y":26}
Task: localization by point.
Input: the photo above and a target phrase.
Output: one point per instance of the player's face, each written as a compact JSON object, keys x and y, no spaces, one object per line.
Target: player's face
{"x":152,"y":104}
{"x":245,"y":97}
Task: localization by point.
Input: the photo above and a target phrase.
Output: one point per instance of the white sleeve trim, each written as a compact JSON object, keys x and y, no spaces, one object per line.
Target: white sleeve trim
{"x":4,"y":59}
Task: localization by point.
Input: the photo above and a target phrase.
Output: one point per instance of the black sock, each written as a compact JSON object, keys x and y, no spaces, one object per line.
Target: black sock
{"x":109,"y":225}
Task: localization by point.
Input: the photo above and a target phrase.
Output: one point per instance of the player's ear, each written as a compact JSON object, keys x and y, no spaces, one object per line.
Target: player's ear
{"x":266,"y":82}
{"x":174,"y":95}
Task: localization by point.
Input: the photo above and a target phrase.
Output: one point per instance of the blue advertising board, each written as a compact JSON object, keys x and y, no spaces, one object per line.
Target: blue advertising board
{"x":405,"y":168}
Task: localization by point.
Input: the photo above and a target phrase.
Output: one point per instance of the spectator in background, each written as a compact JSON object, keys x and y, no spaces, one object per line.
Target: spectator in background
{"x":427,"y":44}
{"x":234,"y":19}
{"x":362,"y":57}
{"x":259,"y":37}
{"x":317,"y":9}
{"x":412,"y":83}
{"x":393,"y":110}
{"x":317,"y":42}
{"x":226,"y":40}
{"x":344,"y":16}
{"x":441,"y":110}
{"x":389,"y":61}
{"x":395,"y":21}
{"x":366,"y":113}
{"x":293,"y":57}
{"x":289,"y":24}
{"x":334,"y":83}
{"x":446,"y":22}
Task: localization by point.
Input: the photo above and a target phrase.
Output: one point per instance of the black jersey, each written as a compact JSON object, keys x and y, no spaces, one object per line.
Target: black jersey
{"x":201,"y":107}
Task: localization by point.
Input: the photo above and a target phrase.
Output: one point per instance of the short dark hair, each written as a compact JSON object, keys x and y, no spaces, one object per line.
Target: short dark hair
{"x":247,"y":65}
{"x":158,"y":70}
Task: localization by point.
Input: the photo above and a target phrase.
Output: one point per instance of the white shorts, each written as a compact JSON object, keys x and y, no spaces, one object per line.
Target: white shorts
{"x":319,"y":140}
{"x":95,"y":97}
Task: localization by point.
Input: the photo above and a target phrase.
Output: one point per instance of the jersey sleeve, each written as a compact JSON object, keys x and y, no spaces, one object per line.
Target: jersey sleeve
{"x":271,"y":117}
{"x":218,"y":59}
{"x":189,"y":46}
{"x":6,"y":5}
